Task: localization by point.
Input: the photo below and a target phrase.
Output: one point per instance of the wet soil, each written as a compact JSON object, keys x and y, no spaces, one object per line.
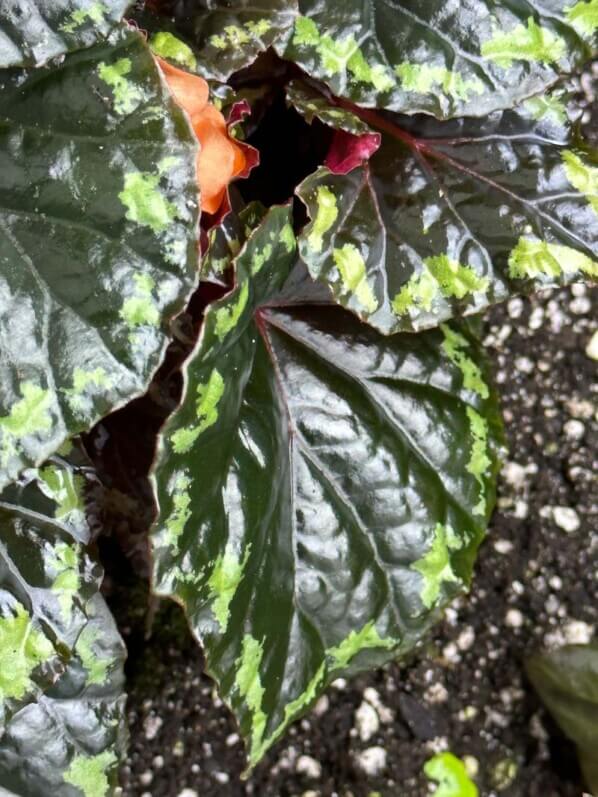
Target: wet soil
{"x":465,"y":689}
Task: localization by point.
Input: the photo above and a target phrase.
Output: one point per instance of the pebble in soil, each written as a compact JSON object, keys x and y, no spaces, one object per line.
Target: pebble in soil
{"x":464,"y":689}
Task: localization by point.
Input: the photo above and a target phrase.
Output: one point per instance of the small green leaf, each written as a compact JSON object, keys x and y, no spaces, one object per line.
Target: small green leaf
{"x":312,"y":105}
{"x":451,"y":775}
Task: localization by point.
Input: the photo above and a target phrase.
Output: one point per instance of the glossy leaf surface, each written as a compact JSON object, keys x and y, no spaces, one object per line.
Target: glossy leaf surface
{"x":227,"y":239}
{"x":227,"y":36}
{"x":567,"y":681}
{"x":33,"y":32}
{"x":446,"y":59}
{"x":98,"y":241}
{"x":448,"y":218}
{"x":323,"y":488}
{"x":61,"y":659}
{"x":313,"y":105}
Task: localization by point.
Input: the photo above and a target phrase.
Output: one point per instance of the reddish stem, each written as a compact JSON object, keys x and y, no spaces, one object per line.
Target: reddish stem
{"x":374,"y":119}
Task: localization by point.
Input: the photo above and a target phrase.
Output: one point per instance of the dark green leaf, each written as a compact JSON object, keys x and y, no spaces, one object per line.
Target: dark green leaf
{"x":312,"y":105}
{"x":226,"y":240}
{"x":33,"y":32}
{"x":447,"y":218}
{"x":98,"y":241}
{"x":229,"y":36}
{"x":447,"y":59}
{"x":567,"y":681}
{"x":61,"y":659}
{"x":323,"y":488}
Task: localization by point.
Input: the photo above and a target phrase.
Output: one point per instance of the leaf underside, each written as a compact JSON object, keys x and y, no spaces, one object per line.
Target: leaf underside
{"x":98,"y":217}
{"x":62,"y":704}
{"x":31,"y":33}
{"x":323,"y":488}
{"x":447,"y":218}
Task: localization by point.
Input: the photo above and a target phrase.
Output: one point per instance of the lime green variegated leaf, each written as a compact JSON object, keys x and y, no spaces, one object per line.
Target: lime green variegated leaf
{"x":226,"y":240}
{"x":312,"y":105}
{"x":98,"y":241}
{"x":33,"y":32}
{"x":222,"y":37}
{"x":447,"y":59}
{"x":322,"y":488}
{"x":62,"y":723}
{"x":447,"y":218}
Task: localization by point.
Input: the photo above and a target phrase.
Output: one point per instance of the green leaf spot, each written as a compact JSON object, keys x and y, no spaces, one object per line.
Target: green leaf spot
{"x":290,"y":712}
{"x":351,"y":266}
{"x":326,"y":215}
{"x":533,"y":258}
{"x":181,"y":512}
{"x":228,"y":316}
{"x":479,"y":461}
{"x":306,"y":32}
{"x":440,"y":275}
{"x":141,"y":308}
{"x":168,"y":46}
{"x":341,"y":55}
{"x":435,"y":566}
{"x":287,"y":238}
{"x":547,"y":106}
{"x":95,"y":13}
{"x":27,"y":416}
{"x":65,"y":488}
{"x":533,"y":43}
{"x":451,"y":775}
{"x":88,"y":773}
{"x":249,"y":684}
{"x":377,"y":75}
{"x":64,"y":560}
{"x":223,"y":582}
{"x":422,"y":78}
{"x":127,"y":95}
{"x":237,"y":35}
{"x":367,"y":637}
{"x":145,"y":203}
{"x":584,"y":17}
{"x":259,"y":258}
{"x":456,"y":345}
{"x":82,"y":380}
{"x":22,"y":649}
{"x":97,"y":668}
{"x":258,"y":28}
{"x":208,"y":397}
{"x":305,"y":698}
{"x":582,"y":177}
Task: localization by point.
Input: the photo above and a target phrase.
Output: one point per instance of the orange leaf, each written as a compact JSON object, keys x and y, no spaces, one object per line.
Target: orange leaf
{"x":220,"y":158}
